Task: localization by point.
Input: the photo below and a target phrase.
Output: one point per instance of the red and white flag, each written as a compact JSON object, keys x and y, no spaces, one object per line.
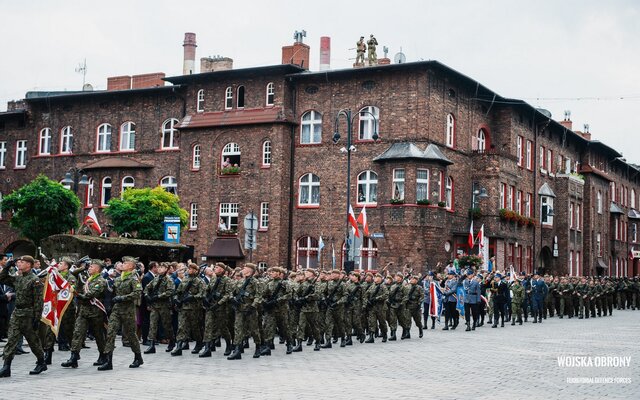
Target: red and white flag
{"x":362,"y":219}
{"x":352,"y":221}
{"x":92,"y":222}
{"x":471,"y":242}
{"x":480,"y":237}
{"x":58,"y":294}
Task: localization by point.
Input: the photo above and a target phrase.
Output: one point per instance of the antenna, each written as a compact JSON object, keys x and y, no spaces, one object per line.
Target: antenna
{"x":400,"y":58}
{"x":82,"y":69}
{"x":299,"y":35}
{"x":385,"y":50}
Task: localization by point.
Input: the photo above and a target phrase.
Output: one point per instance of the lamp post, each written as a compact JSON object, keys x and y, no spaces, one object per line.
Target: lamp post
{"x":347,"y":114}
{"x":477,"y":192}
{"x":544,"y":213}
{"x":73,"y":178}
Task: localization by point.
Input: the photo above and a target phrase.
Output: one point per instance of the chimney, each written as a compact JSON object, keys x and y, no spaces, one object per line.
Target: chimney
{"x":217,"y":63}
{"x":298,"y":54}
{"x":325,"y":53}
{"x":189,"y":64}
{"x":567,"y":120}
{"x":147,"y":80}
{"x":119,"y":82}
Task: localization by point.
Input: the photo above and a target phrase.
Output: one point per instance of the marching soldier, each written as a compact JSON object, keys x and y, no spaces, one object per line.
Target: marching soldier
{"x":516,"y":301}
{"x":565,"y":290}
{"x":65,"y":334}
{"x":245,"y":299}
{"x":583,"y":293}
{"x":307,"y":300}
{"x":539,"y":291}
{"x":375,"y":298}
{"x":415,"y":297}
{"x":336,"y":297}
{"x":188,"y":299}
{"x":276,"y":310}
{"x":549,"y":300}
{"x":609,"y":292}
{"x":450,"y":300}
{"x":397,"y":296}
{"x":353,"y":308}
{"x":217,"y":318}
{"x":158,"y":295}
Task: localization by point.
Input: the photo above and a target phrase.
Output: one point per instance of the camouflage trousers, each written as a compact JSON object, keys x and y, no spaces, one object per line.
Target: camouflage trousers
{"x":549,"y":305}
{"x":608,"y":304}
{"x":22,"y":325}
{"x":334,"y":321}
{"x":395,"y":316}
{"x":584,"y":307}
{"x":376,"y":317}
{"x":353,"y":320}
{"x":415,"y":313}
{"x":516,"y":311}
{"x":294,"y":317}
{"x":217,"y":324}
{"x":276,"y":318}
{"x":566,"y":306}
{"x":160,"y":313}
{"x":246,"y":325}
{"x":122,"y":316}
{"x":307,"y":321}
{"x":84,"y":321}
{"x":189,"y":325}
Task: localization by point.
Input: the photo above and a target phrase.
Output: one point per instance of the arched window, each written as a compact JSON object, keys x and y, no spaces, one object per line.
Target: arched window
{"x":104,"y":138}
{"x":169,"y":133}
{"x":240,"y":97}
{"x":200,"y":103}
{"x":369,"y":118}
{"x":88,"y":194}
{"x":270,"y":94}
{"x":45,"y":142}
{"x":449,"y":192}
{"x":195,"y":157}
{"x":106,"y":192}
{"x":228,"y":98}
{"x":307,"y":252}
{"x":367,"y":187}
{"x":66,"y":140}
{"x":128,"y":136}
{"x":309,"y":190}
{"x":311,"y":128}
{"x":127,"y":182}
{"x":230,"y":155}
{"x":266,"y":153}
{"x":450,"y":132}
{"x":481,"y":140}
{"x":170,"y":184}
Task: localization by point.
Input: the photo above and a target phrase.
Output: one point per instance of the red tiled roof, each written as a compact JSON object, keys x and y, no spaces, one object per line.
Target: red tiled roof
{"x":116,"y":162}
{"x":235,"y":117}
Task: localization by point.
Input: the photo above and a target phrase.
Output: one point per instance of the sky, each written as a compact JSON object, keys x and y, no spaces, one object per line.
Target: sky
{"x":582,"y":56}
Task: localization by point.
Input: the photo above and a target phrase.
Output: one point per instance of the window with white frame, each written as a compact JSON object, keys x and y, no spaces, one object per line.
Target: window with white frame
{"x":572,"y":216}
{"x":634,"y":232}
{"x":88,"y":194}
{"x":66,"y":140}
{"x":200,"y":102}
{"x":230,"y":155}
{"x":450,"y":132}
{"x":307,"y":252}
{"x":104,"y":138}
{"x":170,"y":184}
{"x":21,"y":154}
{"x":527,"y":206}
{"x":368,"y":118}
{"x":578,"y":266}
{"x":309,"y":190}
{"x":128,"y":136}
{"x":519,"y":202}
{"x":266,"y":153}
{"x":169,"y":134}
{"x":449,"y":192}
{"x":616,"y":229}
{"x":270,"y":94}
{"x":240,"y":97}
{"x":632,"y":203}
{"x":612,"y":191}
{"x":549,"y":160}
{"x":44,"y":148}
{"x":440,"y":187}
{"x":229,"y":215}
{"x":195,"y":157}
{"x":571,"y":263}
{"x":193,"y":216}
{"x":368,"y":255}
{"x":311,"y":128}
{"x":599,"y":202}
{"x":510,"y":197}
{"x":3,"y":155}
{"x":228,"y":98}
{"x":598,"y":244}
{"x":264,"y":215}
{"x":127,"y":183}
{"x":105,"y":192}
{"x":546,"y":204}
{"x":422,"y":184}
{"x":520,"y":151}
{"x":503,"y":195}
{"x":398,"y":184}
{"x":578,"y":217}
{"x":529,"y":154}
{"x":543,"y":155}
{"x":367,"y":187}
{"x":481,"y":140}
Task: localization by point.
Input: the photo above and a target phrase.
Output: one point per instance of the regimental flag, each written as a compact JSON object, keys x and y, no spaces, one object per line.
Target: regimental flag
{"x":353,"y":222}
{"x":480,"y":239}
{"x":460,"y":298}
{"x":435,"y":300}
{"x":362,"y":219}
{"x":58,"y":294}
{"x":91,"y":220}
{"x":512,"y":274}
{"x":471,"y":243}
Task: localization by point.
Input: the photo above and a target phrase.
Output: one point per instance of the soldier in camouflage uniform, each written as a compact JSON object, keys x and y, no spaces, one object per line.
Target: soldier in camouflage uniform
{"x":245,"y":299}
{"x":584,"y":292}
{"x":353,"y":308}
{"x":217,"y":322}
{"x":276,"y":296}
{"x":374,"y":301}
{"x":158,"y":294}
{"x":26,"y":315}
{"x":336,"y":297}
{"x":65,"y":334}
{"x":395,"y":303}
{"x":609,"y":292}
{"x":126,"y":290}
{"x":413,"y":300}
{"x":549,"y":300}
{"x":366,"y":284}
{"x":516,"y":302}
{"x":321,"y":314}
{"x":295,"y":278}
{"x":306,"y":299}
{"x":188,"y":298}
{"x":565,"y":290}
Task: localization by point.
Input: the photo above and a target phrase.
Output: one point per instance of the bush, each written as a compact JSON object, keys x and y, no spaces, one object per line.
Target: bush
{"x":442,"y":204}
{"x":424,"y":202}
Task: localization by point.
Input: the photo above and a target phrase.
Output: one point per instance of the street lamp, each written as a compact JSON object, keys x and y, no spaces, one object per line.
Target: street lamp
{"x":544,"y":213}
{"x":480,"y":193}
{"x":349,"y":148}
{"x":72,"y":179}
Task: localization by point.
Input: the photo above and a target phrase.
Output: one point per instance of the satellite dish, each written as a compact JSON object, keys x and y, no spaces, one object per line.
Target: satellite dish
{"x":87,"y":87}
{"x":399,"y":58}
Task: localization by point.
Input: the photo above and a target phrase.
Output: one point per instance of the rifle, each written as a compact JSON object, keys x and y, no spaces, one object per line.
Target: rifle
{"x":392,"y":297}
{"x":352,"y":295}
{"x":153,"y":295}
{"x":237,"y":299}
{"x":375,"y":293}
{"x":213,"y":294}
{"x":269,"y":304}
{"x":178,"y":302}
{"x":329,"y":302}
{"x":312,"y":287}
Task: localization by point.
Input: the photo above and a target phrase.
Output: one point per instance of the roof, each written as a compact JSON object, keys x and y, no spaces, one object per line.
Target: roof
{"x":225,"y":248}
{"x":34,"y":97}
{"x":116,"y":162}
{"x":119,"y":240}
{"x":278,"y":69}
{"x":611,"y":150}
{"x":408,"y":150}
{"x":633,"y":214}
{"x":615,"y":209}
{"x":235,"y":117}
{"x":545,"y":190}
{"x":5,"y":115}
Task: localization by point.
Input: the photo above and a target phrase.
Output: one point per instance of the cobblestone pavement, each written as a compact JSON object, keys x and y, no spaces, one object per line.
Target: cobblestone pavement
{"x":512,"y":362}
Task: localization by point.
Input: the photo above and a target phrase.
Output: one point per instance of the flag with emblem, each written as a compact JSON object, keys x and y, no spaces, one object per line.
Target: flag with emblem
{"x":57,"y":296}
{"x":435,"y":300}
{"x":91,"y":220}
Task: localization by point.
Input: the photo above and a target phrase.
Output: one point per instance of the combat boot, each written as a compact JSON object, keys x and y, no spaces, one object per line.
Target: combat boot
{"x":289,"y":347}
{"x":178,"y":350}
{"x":370,"y":339}
{"x":362,"y":337}
{"x":317,"y":347}
{"x":392,"y":337}
{"x":197,"y":348}
{"x":185,"y":345}
{"x":298,"y":346}
{"x":47,"y":356}
{"x":348,"y":342}
{"x":420,"y":332}
{"x":108,"y":363}
{"x":170,"y":346}
{"x":137,"y":361}
{"x":151,"y":349}
{"x":272,"y":346}
{"x":206,"y":352}
{"x":473,"y":326}
{"x":235,"y":354}
{"x":246,"y":343}
{"x":41,"y":366}
{"x":102,"y":358}
{"x":326,"y":345}
{"x":384,"y":337}
{"x":228,"y":347}
{"x":343,"y":342}
{"x":265,"y":350}
{"x":72,"y":361}
{"x":513,"y":321}
{"x":468,"y":328}
{"x":256,"y":354}
{"x":63,"y":346}
{"x":5,"y":372}
{"x":408,"y":335}
{"x":310,"y":341}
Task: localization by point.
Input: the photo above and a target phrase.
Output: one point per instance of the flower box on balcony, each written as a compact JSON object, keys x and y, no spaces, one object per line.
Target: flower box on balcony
{"x":397,"y":201}
{"x":227,"y":232}
{"x":424,"y":202}
{"x":230,"y":170}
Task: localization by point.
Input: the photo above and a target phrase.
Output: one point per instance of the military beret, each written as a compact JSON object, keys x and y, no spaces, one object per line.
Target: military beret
{"x":67,"y":260}
{"x":335,"y":271}
{"x":250,"y":265}
{"x":98,"y":262}
{"x":451,"y":272}
{"x":129,"y":259}
{"x":355,"y":273}
{"x":378,"y":275}
{"x":229,"y":270}
{"x":28,"y":259}
{"x":400,"y":274}
{"x":221,"y":265}
{"x":480,"y":276}
{"x":416,"y":277}
{"x":369,"y":274}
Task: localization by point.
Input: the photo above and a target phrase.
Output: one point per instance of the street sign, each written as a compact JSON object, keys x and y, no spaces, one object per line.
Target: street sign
{"x":378,"y":235}
{"x":250,"y":227}
{"x":172,"y":232}
{"x":172,"y":219}
{"x":251,"y":221}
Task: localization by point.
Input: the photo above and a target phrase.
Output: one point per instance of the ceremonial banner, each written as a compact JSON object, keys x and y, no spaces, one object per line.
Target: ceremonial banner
{"x":460,"y":297}
{"x":58,"y":294}
{"x":435,"y":300}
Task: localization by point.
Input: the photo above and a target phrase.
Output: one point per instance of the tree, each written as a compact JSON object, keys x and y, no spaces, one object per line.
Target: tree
{"x":141,"y":212}
{"x":42,"y":208}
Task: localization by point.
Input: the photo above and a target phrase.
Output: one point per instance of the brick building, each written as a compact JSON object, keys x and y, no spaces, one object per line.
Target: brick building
{"x":234,"y":141}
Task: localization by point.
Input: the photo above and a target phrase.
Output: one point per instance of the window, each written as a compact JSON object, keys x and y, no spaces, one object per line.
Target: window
{"x":510,"y":197}
{"x":549,"y":164}
{"x":266,"y":153}
{"x":578,"y":216}
{"x":264,"y":216}
{"x":128,"y":136}
{"x":104,"y":138}
{"x":368,"y":116}
{"x":519,"y":202}
{"x":612,"y":191}
{"x":311,"y":129}
{"x":481,"y":140}
{"x":616,"y":228}
{"x":193,"y":216}
{"x":229,"y":215}
{"x":440,"y":185}
{"x":240,"y":95}
{"x":195,"y":157}
{"x":88,"y":194}
{"x":567,"y":166}
{"x":228,"y":98}
{"x":578,"y":266}
{"x":200,"y":103}
{"x":307,"y":252}
{"x":527,"y":206}
{"x":450,"y":133}
{"x":3,"y":155}
{"x":634,"y":233}
{"x":599,"y":201}
{"x":309,"y":190}
{"x":368,"y":254}
{"x":66,"y":140}
{"x":170,"y":184}
{"x":503,"y":195}
{"x":571,"y":263}
{"x":546,"y":204}
{"x":21,"y":154}
{"x":529,"y":155}
{"x":398,"y":184}
{"x":127,"y":183}
{"x":230,"y":155}
{"x":422,"y":184}
{"x":106,"y":192}
{"x":169,"y":133}
{"x":520,"y":151}
{"x":542,"y":157}
{"x":45,"y":142}
{"x":367,"y":187}
{"x":529,"y":262}
{"x":572,"y":216}
{"x":449,"y":192}
{"x":270,"y":94}
{"x":598,"y":246}
{"x":632,"y":203}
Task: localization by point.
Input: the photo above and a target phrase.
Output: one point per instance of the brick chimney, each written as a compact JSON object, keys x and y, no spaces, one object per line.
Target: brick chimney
{"x":217,"y":63}
{"x":567,"y":123}
{"x":119,"y":82}
{"x":189,"y":63}
{"x":298,"y":54}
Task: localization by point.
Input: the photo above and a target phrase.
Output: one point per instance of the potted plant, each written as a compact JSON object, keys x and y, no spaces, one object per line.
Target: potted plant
{"x":475,"y":213}
{"x":442,"y":204}
{"x":397,"y":201}
{"x":531,"y":221}
{"x":230,"y":170}
{"x":424,"y":202}
{"x":521,"y":220}
{"x":227,"y":232}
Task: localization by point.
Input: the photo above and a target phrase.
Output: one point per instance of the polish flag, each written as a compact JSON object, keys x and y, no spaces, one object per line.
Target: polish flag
{"x":362,"y":219}
{"x":353,"y":222}
{"x":480,"y":237}
{"x":91,"y":220}
{"x":471,"y":242}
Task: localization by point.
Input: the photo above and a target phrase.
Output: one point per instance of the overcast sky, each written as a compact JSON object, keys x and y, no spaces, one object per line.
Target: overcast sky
{"x":582,"y":56}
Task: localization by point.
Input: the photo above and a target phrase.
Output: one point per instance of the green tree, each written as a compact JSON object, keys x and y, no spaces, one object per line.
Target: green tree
{"x":141,"y":212}
{"x":42,"y":208}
